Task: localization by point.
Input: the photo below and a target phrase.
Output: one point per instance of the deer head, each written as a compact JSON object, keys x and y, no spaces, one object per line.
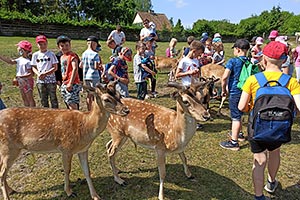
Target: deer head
{"x":188,"y":100}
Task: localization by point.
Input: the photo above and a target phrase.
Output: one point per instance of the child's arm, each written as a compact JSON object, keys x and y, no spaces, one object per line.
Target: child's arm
{"x":46,"y":73}
{"x":147,"y":69}
{"x":244,"y":102}
{"x":8,"y":61}
{"x":297,"y":100}
{"x":179,"y":72}
{"x":74,"y":64}
{"x":224,"y":82}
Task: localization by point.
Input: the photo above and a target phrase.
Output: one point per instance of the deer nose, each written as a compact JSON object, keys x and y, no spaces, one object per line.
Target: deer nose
{"x":206,"y":116}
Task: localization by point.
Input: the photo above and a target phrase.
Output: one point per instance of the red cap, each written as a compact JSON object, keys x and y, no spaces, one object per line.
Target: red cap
{"x":276,"y":50}
{"x":40,"y":38}
{"x":127,"y":53}
{"x":24,"y":44}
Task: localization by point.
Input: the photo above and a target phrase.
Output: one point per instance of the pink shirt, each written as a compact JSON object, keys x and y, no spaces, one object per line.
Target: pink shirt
{"x":297,"y":56}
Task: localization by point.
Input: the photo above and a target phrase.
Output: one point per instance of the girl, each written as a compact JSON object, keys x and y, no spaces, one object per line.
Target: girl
{"x":24,"y":76}
{"x":171,"y":51}
{"x":218,"y":56}
{"x":256,"y":51}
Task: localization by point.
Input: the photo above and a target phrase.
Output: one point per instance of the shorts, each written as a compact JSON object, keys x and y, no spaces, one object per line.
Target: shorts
{"x":91,"y":83}
{"x":73,"y":96}
{"x":25,"y":84}
{"x":235,"y":113}
{"x":258,"y":147}
{"x":122,"y":89}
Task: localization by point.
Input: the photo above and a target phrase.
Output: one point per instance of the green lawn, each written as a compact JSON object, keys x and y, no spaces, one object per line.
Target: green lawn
{"x":219,"y":174}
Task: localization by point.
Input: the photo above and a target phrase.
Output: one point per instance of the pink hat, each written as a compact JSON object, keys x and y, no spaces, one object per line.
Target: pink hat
{"x":40,"y":38}
{"x":259,"y":40}
{"x":24,"y":44}
{"x":282,"y":39}
{"x":273,"y":34}
{"x":217,"y":35}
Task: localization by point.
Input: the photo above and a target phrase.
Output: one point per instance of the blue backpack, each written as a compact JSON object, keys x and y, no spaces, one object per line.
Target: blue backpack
{"x":272,"y":116}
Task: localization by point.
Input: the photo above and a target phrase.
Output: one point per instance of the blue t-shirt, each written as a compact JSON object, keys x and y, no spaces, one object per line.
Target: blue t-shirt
{"x":235,"y":66}
{"x":121,"y":67}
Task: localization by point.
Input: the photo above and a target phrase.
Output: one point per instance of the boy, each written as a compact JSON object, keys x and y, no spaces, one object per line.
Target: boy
{"x":141,"y":71}
{"x":44,"y":65}
{"x":274,"y":54}
{"x":189,"y":40}
{"x":91,"y":64}
{"x":119,"y":71}
{"x":229,"y":87}
{"x":70,"y":87}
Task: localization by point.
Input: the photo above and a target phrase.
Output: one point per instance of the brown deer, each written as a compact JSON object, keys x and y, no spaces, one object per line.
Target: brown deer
{"x":158,"y":128}
{"x":56,"y":130}
{"x":214,"y":71}
{"x":164,"y":63}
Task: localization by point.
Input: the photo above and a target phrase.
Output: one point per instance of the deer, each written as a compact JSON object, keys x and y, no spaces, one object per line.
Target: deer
{"x":165,"y":63}
{"x":216,"y":72}
{"x":158,"y":128}
{"x":69,"y":132}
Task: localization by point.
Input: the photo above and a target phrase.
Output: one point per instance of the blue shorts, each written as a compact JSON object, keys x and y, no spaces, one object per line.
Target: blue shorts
{"x":235,"y":113}
{"x":71,"y":97}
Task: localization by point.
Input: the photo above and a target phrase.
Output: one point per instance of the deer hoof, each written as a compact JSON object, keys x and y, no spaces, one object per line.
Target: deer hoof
{"x":73,"y":195}
{"x":124,"y":184}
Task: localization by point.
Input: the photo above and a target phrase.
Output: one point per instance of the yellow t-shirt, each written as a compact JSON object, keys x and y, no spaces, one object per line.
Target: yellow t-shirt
{"x":251,"y":85}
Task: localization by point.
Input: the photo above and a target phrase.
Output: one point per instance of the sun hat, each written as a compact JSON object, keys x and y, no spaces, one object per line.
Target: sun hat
{"x":276,"y":50}
{"x":217,"y":35}
{"x":24,"y":44}
{"x":282,"y":39}
{"x":273,"y":34}
{"x":242,"y":44}
{"x":127,"y":53}
{"x":40,"y":38}
{"x":62,"y":38}
{"x":259,"y":40}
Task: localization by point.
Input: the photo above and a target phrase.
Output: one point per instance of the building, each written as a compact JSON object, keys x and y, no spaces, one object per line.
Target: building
{"x":161,"y":21}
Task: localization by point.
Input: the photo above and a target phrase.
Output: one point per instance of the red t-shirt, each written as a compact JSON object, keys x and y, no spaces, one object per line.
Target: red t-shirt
{"x":66,"y":67}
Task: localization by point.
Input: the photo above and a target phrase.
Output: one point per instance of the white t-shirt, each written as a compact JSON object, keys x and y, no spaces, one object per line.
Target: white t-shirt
{"x":117,"y":37}
{"x":23,"y":65}
{"x":187,"y":64}
{"x":146,"y":31}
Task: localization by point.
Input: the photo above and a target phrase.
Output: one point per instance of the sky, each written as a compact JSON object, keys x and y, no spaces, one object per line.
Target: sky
{"x":189,"y":11}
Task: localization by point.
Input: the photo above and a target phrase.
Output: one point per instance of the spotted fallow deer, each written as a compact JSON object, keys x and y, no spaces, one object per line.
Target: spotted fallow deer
{"x":56,"y":130}
{"x":158,"y":128}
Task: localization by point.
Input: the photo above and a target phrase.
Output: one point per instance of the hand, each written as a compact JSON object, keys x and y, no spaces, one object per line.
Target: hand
{"x":42,"y":76}
{"x":69,"y":87}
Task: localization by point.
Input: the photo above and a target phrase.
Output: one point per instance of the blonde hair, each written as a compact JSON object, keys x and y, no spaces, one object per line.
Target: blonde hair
{"x":172,"y":42}
{"x":218,"y":46}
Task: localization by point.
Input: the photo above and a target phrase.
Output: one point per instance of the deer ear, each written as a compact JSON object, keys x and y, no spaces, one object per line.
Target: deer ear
{"x":175,"y":85}
{"x":88,"y":88}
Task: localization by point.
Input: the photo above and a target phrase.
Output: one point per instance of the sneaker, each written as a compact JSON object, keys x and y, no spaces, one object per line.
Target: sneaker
{"x":147,"y":96}
{"x":199,"y":126}
{"x":271,"y":186}
{"x":263,"y":197}
{"x":230,"y":145}
{"x":241,"y":136}
{"x":155,"y":94}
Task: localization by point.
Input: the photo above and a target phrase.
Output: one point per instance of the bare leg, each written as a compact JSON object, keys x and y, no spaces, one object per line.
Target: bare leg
{"x":273,"y":164}
{"x":83,"y":158}
{"x":259,"y":165}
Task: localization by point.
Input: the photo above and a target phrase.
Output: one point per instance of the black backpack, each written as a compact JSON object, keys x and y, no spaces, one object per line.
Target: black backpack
{"x":272,"y":116}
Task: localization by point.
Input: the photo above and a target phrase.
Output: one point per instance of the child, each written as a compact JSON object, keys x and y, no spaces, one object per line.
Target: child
{"x":119,"y":71}
{"x":91,"y":64}
{"x":2,"y":105}
{"x":118,"y":36}
{"x":189,"y":40}
{"x":24,"y":74}
{"x":141,"y":71}
{"x":206,"y":57}
{"x":70,"y":87}
{"x":171,"y":51}
{"x":274,"y":54}
{"x":218,"y":56}
{"x":229,"y":87}
{"x":256,"y":51}
{"x":44,"y":65}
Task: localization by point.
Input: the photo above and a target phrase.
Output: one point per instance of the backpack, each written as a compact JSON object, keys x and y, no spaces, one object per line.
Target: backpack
{"x":272,"y":116}
{"x":248,"y":69}
{"x":150,"y":64}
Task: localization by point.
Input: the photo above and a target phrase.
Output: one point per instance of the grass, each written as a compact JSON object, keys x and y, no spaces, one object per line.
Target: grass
{"x":219,"y":174}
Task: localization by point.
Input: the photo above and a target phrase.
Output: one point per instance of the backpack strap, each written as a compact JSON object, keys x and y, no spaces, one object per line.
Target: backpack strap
{"x":261,"y":79}
{"x":284,"y":79}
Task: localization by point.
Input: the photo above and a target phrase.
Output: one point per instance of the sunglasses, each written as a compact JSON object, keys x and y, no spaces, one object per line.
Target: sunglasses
{"x":43,"y":60}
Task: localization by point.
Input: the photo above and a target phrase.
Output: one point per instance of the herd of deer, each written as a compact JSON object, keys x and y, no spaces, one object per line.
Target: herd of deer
{"x":155,"y":127}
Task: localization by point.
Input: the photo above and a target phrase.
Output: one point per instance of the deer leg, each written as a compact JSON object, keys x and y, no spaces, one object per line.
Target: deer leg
{"x":67,"y":158}
{"x":221,"y":105}
{"x":6,"y":161}
{"x":83,"y":158}
{"x":112,"y":147}
{"x":185,"y":166}
{"x":161,"y":163}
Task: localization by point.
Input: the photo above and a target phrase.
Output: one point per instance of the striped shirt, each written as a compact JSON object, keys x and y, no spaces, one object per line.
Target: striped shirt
{"x":89,"y":57}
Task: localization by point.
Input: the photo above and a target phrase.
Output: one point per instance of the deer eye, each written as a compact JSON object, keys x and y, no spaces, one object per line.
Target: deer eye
{"x":186,"y":103}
